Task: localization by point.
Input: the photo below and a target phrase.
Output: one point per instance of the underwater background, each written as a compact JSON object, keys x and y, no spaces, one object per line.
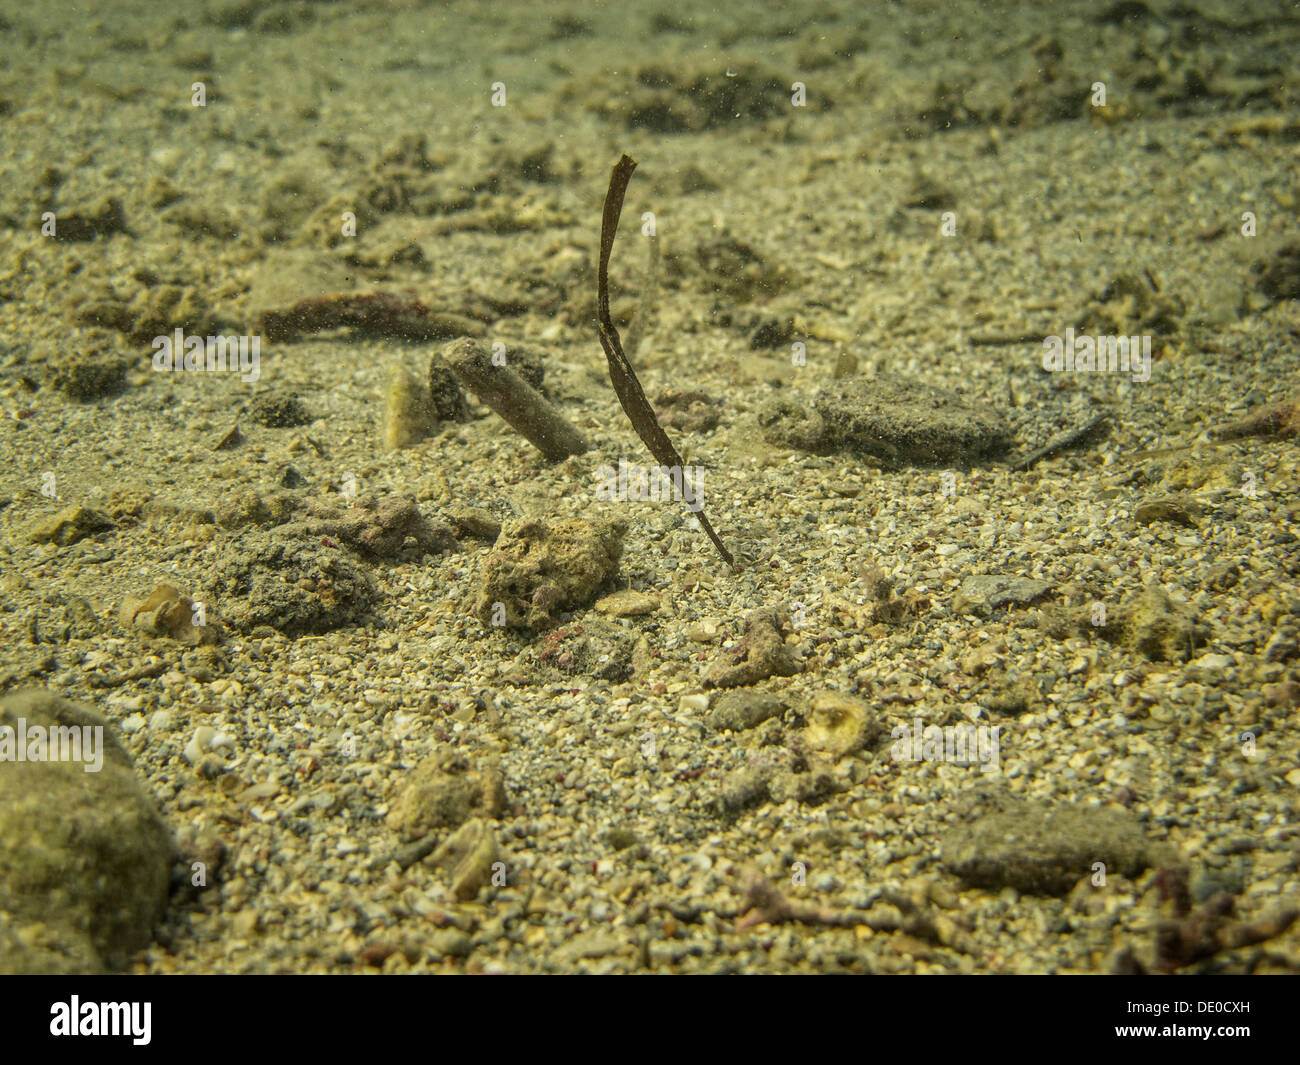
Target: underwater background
{"x":347,"y":624}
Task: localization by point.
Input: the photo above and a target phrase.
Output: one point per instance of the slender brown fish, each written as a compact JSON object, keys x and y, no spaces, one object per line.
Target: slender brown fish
{"x":626,"y":386}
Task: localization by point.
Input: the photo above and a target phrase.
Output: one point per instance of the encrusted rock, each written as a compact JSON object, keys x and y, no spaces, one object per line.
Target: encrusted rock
{"x":898,"y":422}
{"x":68,"y":526}
{"x":443,"y":791}
{"x":760,"y":653}
{"x":1001,"y":841}
{"x":537,"y":568}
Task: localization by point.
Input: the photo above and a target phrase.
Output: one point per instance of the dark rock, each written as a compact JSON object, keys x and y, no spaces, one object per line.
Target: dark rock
{"x":898,"y":422}
{"x":279,"y":410}
{"x":290,"y":581}
{"x":89,"y":221}
{"x":89,"y":375}
{"x":445,"y":395}
{"x":1002,"y":841}
{"x":1278,"y":277}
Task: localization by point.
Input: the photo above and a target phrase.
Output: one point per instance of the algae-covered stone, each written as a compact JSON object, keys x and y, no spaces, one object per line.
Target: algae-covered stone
{"x":68,"y":526}
{"x":894,"y":420}
{"x":1001,"y":841}
{"x":1278,"y":275}
{"x":85,"y":858}
{"x":537,"y":568}
{"x":290,"y":581}
{"x":445,"y":396}
{"x":88,"y":221}
{"x":442,"y":792}
{"x":279,"y":410}
{"x":760,"y":653}
{"x":89,"y":375}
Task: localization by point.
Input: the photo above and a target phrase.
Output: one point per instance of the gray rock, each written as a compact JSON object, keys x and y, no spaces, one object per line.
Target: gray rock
{"x":899,"y":422}
{"x":1001,"y":841}
{"x":85,"y":858}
